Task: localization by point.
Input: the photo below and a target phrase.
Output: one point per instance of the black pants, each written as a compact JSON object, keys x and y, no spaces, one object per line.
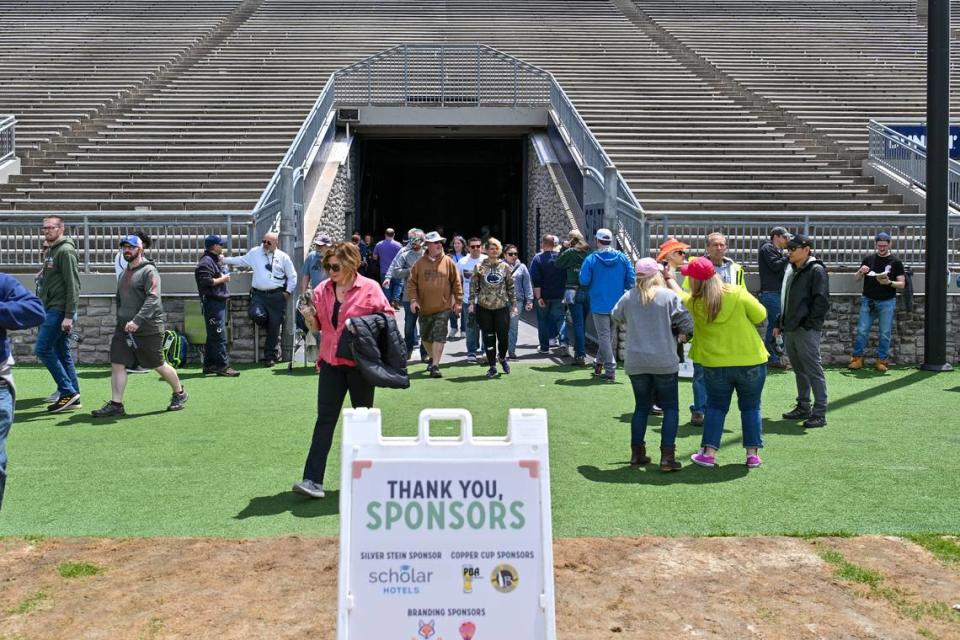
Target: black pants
{"x":332,"y":388}
{"x":267,"y":310}
{"x":495,"y":327}
{"x":215,"y":314}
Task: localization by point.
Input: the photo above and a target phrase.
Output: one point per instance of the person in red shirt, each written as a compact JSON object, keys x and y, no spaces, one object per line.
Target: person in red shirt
{"x":345,"y":294}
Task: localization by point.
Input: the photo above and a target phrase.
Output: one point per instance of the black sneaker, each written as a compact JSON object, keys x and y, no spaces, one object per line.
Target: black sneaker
{"x":177,"y":400}
{"x":227,"y":372}
{"x":492,"y":372}
{"x":505,"y":365}
{"x":799,"y":412}
{"x":66,"y":401}
{"x":580,"y":361}
{"x":609,"y":378}
{"x":434,"y":371}
{"x":109,"y":410}
{"x":598,"y":368}
{"x":269,"y":363}
{"x":815,"y":421}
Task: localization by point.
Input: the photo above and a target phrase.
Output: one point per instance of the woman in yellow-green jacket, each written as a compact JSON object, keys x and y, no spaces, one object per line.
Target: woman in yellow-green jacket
{"x":732,"y":353}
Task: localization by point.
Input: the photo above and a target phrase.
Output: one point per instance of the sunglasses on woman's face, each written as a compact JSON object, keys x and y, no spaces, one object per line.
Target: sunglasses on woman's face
{"x":680,"y":253}
{"x":512,"y":253}
{"x":333,"y":266}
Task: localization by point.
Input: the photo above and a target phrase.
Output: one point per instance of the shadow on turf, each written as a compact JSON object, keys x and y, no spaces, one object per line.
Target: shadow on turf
{"x":288,"y":502}
{"x":651,"y":474}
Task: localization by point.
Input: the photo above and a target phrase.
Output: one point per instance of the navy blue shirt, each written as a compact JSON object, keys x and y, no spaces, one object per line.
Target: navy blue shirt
{"x":545,"y":275}
{"x":19,"y":309}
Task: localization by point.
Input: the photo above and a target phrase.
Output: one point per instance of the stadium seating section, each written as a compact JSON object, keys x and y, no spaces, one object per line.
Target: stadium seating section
{"x":704,"y":105}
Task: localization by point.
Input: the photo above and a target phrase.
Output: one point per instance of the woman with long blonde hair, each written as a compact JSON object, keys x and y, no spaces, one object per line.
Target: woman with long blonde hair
{"x":653,"y":316}
{"x":733,"y":356}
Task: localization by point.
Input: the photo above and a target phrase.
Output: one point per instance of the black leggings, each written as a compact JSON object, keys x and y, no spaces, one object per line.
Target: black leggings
{"x":332,"y":388}
{"x":495,"y":326}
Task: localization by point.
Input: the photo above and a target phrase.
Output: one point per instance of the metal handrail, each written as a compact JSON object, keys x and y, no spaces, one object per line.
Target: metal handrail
{"x":840,"y":239}
{"x":907,"y":158}
{"x":8,"y":138}
{"x":177,"y":236}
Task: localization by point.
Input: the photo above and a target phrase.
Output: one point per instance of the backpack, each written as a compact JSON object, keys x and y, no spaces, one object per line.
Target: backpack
{"x":175,"y":349}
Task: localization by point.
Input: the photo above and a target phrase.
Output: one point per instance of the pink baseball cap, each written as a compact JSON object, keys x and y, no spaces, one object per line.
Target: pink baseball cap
{"x":646,"y":267}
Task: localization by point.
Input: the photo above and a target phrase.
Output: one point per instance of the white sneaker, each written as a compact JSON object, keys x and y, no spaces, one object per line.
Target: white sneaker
{"x":53,"y":397}
{"x":309,"y":488}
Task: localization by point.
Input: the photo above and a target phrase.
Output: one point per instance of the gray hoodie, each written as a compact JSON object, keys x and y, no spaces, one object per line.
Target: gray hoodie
{"x":401,"y":265}
{"x":138,"y":298}
{"x":651,"y":345}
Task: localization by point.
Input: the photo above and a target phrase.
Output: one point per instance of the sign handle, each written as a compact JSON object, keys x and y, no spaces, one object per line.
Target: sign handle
{"x":459,"y":415}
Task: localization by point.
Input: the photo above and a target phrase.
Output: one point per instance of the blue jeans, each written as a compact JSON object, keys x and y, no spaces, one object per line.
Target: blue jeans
{"x":721,"y":383}
{"x":215,"y":352}
{"x":454,"y":321}
{"x":883,"y":311}
{"x":578,"y":318}
{"x":53,"y":350}
{"x":395,"y":293}
{"x":411,"y":334}
{"x":662,"y":389}
{"x":468,"y":324}
{"x":514,"y":330}
{"x":6,"y":419}
{"x":771,"y":302}
{"x":699,"y":390}
{"x":549,"y":321}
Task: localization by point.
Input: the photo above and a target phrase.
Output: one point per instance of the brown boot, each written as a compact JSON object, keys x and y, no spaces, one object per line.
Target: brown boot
{"x":638,"y":455}
{"x":856,"y":362}
{"x":668,"y":460}
{"x":881,"y":365}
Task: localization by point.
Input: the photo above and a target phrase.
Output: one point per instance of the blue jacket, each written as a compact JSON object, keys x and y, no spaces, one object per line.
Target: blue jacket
{"x":19,"y":309}
{"x":210,"y":267}
{"x":545,"y":275}
{"x":606,"y":274}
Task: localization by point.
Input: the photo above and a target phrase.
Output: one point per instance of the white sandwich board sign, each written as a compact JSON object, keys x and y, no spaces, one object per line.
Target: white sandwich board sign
{"x":445,"y":538}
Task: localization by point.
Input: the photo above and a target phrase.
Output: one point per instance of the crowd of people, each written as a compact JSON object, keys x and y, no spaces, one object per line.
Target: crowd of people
{"x":476,"y":290}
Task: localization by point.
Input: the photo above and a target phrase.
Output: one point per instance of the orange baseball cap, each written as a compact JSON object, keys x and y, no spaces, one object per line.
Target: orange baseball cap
{"x":670,"y":246}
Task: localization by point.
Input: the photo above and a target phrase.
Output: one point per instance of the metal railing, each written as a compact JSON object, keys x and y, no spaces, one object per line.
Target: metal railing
{"x":8,"y":138}
{"x":840,"y":240}
{"x":446,"y":76}
{"x":907,"y":158}
{"x":176,"y":236}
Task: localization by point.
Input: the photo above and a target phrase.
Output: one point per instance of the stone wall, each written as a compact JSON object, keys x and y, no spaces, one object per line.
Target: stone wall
{"x":97,"y":319}
{"x":340,"y":208}
{"x":556,"y":214}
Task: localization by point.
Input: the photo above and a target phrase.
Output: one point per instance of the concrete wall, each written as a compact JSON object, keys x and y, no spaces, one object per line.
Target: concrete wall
{"x":340,"y":208}
{"x":544,"y":191}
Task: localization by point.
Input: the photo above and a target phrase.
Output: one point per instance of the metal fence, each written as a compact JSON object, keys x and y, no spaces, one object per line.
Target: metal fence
{"x":8,"y":138}
{"x":907,"y":158}
{"x":840,"y":240}
{"x":176,"y":237}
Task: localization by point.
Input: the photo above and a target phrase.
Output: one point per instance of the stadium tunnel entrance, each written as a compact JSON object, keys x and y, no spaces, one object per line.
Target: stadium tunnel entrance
{"x":459,"y":186}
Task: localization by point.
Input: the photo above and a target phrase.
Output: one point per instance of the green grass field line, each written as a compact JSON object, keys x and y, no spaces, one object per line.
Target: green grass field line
{"x":224,"y":465}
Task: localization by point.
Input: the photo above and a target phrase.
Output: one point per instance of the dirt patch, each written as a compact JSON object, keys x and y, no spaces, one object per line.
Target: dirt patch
{"x":606,"y":588}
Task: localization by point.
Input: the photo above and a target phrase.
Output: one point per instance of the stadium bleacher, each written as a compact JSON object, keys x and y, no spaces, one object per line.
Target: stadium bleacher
{"x":227,"y":84}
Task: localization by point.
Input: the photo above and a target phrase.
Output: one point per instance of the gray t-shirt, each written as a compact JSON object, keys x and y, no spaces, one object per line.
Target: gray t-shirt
{"x":651,"y":346}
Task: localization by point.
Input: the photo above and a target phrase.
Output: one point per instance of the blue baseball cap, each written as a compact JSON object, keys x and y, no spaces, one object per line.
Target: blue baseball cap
{"x":133,"y":241}
{"x":212,"y":240}
{"x":883,"y":236}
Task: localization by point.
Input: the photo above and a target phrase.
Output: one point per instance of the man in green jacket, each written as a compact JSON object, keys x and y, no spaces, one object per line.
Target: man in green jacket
{"x":60,"y":293}
{"x":138,"y":336}
{"x":575,"y":250}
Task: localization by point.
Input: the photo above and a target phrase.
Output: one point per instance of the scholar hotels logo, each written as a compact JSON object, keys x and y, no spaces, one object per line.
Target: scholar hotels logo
{"x":404,"y":580}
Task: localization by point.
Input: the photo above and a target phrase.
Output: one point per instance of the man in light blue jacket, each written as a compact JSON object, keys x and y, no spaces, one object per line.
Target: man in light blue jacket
{"x":606,"y":273}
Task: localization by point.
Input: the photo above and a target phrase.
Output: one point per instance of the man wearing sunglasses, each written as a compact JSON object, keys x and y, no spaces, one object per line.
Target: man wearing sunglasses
{"x":772,"y":262}
{"x":274,"y":281}
{"x":468,"y":321}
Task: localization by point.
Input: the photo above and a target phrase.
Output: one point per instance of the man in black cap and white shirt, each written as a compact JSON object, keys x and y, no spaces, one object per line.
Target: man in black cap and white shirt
{"x":274,"y":281}
{"x":212,"y":279}
{"x":772,"y":262}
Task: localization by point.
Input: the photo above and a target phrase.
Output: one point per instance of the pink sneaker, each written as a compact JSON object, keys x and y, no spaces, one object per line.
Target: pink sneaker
{"x":753,"y":462}
{"x":703,"y":459}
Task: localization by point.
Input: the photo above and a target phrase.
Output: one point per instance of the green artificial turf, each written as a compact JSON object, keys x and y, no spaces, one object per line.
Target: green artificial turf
{"x":224,"y":466}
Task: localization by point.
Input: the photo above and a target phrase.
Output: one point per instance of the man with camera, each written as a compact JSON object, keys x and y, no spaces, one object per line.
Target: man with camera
{"x":882,"y":274}
{"x":138,"y":336}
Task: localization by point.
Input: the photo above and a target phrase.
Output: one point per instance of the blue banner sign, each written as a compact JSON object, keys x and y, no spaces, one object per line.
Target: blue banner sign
{"x":918,"y":133}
